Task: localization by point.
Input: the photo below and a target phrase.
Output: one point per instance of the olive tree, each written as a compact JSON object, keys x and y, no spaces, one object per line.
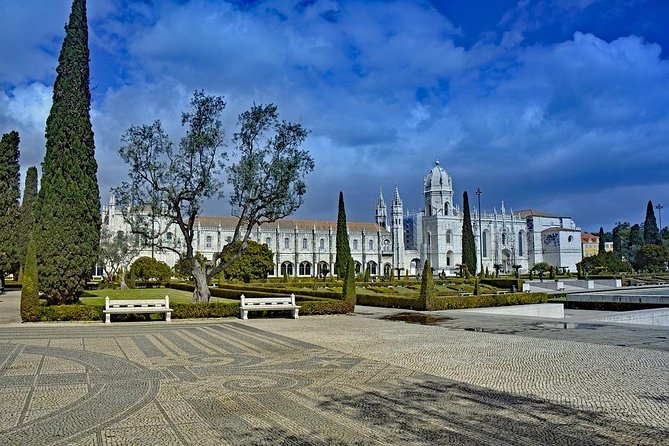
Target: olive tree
{"x":116,"y":250}
{"x":168,"y":184}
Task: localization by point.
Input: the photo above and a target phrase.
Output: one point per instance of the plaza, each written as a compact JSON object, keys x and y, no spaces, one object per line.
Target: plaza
{"x":349,"y":379}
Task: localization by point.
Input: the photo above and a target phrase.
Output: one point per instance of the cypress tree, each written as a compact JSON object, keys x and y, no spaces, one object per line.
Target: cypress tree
{"x":67,"y":232}
{"x":342,"y":246}
{"x":9,"y":203}
{"x":349,"y":282}
{"x":468,"y":245}
{"x":650,"y":232}
{"x":27,"y":214}
{"x":602,"y":243}
{"x":427,"y":286}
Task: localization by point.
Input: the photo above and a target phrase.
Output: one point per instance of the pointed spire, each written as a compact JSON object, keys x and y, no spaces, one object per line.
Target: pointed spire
{"x":397,"y":201}
{"x":380,"y":202}
{"x":503,"y":210}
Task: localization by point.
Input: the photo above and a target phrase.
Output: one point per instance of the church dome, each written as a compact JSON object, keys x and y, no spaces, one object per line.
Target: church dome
{"x":437,"y":179}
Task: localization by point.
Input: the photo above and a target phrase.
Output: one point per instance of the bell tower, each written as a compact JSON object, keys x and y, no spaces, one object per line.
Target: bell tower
{"x":381,"y":213}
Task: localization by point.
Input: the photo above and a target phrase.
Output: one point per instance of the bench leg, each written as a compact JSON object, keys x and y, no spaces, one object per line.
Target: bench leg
{"x":295,"y":311}
{"x":107,"y":318}
{"x":168,"y":317}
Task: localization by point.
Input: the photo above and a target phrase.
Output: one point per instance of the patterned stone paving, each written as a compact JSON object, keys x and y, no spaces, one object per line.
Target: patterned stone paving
{"x":322,"y":381}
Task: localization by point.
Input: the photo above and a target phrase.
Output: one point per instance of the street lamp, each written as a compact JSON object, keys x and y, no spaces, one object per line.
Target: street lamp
{"x":478,"y":195}
{"x":659,"y":208}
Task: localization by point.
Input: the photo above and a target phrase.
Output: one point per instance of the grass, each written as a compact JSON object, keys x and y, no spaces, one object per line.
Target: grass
{"x":97,"y":297}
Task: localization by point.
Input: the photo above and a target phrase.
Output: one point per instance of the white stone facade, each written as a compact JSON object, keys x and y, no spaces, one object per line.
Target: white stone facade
{"x":304,"y":248}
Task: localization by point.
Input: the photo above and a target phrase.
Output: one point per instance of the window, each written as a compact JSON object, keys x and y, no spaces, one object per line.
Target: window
{"x":305,"y":269}
{"x":208,"y":241}
{"x":372,"y":267}
{"x":268,"y":241}
{"x":520,"y":243}
{"x":503,"y":238}
{"x":371,"y":245}
{"x":286,"y":269}
{"x":286,"y":243}
{"x":304,"y":243}
{"x":386,"y":245}
{"x":446,"y":209}
{"x":321,"y":243}
{"x":169,"y":236}
{"x":355,"y":244}
{"x":485,"y":244}
{"x":323,"y":269}
{"x":358,"y":267}
{"x":448,"y":236}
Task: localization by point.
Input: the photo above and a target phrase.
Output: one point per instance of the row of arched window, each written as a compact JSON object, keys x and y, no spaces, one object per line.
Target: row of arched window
{"x":305,"y":268}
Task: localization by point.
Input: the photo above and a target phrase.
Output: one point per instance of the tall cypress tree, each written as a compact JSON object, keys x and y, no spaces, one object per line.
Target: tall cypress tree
{"x":67,"y":232}
{"x":342,"y":246}
{"x":9,"y":203}
{"x":602,"y":243}
{"x":27,"y":214}
{"x":468,"y":245}
{"x":650,"y":232}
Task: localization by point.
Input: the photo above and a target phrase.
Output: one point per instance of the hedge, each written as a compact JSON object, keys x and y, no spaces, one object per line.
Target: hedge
{"x":231,"y":291}
{"x":452,"y":302}
{"x":505,"y":283}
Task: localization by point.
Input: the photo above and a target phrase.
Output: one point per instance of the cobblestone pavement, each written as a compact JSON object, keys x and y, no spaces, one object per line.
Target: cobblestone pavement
{"x":322,"y":380}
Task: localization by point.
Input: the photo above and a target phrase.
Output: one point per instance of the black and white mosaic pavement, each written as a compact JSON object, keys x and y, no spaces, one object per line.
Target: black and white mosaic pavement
{"x":300,"y":382}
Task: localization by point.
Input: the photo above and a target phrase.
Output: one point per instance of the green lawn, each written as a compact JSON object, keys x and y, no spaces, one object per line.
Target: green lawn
{"x":97,"y":297}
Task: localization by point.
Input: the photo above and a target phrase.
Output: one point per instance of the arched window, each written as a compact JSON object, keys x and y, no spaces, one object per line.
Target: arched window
{"x":286,"y":243}
{"x":449,"y":235}
{"x":355,"y":244}
{"x":372,"y":267}
{"x":358,"y":267}
{"x":371,"y":245}
{"x":208,"y":241}
{"x":321,"y":243}
{"x":286,"y":269}
{"x":521,"y":235}
{"x":386,"y":245}
{"x":485,"y":243}
{"x":503,"y":238}
{"x":305,"y":269}
{"x":446,"y":209}
{"x":169,"y":236}
{"x":305,"y":242}
{"x":322,"y":268}
{"x":268,"y":241}
{"x":449,"y":258}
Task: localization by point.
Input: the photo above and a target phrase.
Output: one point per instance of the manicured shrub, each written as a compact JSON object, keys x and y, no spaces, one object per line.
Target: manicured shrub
{"x":426,"y":286}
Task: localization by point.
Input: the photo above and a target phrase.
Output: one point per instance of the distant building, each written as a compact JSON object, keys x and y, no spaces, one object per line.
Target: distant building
{"x":403,"y":243}
{"x":589,"y":244}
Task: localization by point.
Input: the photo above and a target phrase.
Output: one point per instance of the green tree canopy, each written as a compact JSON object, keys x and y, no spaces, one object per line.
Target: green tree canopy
{"x":651,"y":234}
{"x":342,"y":245}
{"x":9,"y":204}
{"x":651,"y":258}
{"x":27,"y":212}
{"x":542,"y":266}
{"x":606,"y":262}
{"x":468,"y":244}
{"x":602,"y":241}
{"x":147,"y":268}
{"x":68,"y":208}
{"x":621,"y":235}
{"x":267,"y":179}
{"x":116,"y":250}
{"x":635,"y":240}
{"x":256,"y":261}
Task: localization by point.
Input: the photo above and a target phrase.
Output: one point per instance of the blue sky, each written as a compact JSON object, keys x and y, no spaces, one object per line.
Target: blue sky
{"x":557,"y":105}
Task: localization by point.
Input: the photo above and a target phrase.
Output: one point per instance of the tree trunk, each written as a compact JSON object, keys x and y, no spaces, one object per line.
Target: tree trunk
{"x":201,"y":292}
{"x":124,"y":286}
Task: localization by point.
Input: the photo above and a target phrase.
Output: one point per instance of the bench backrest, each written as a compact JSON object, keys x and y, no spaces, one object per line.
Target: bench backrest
{"x":131,"y":303}
{"x":275,"y":300}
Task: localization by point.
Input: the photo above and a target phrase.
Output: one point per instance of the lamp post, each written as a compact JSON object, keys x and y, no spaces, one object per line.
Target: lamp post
{"x":659,"y":208}
{"x":478,"y":196}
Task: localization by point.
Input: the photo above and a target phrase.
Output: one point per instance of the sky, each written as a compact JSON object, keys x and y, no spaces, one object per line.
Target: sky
{"x":555,"y":105}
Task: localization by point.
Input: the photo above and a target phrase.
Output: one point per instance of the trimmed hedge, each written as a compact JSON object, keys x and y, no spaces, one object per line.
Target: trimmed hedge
{"x":505,"y":283}
{"x":452,"y":302}
{"x":486,"y":300}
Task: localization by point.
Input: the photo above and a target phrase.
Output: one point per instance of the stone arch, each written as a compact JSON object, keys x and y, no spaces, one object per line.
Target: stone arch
{"x":305,"y":269}
{"x":287,"y":268}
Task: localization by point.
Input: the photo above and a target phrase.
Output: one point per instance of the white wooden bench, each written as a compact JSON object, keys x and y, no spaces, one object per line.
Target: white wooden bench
{"x":137,"y":306}
{"x":267,"y":304}
{"x":466,"y":294}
